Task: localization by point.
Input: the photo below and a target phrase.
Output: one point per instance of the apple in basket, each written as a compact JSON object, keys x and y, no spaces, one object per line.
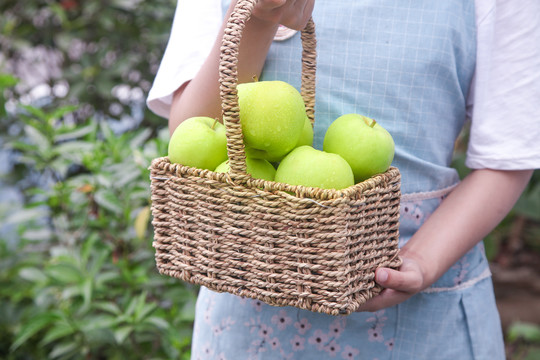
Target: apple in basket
{"x":362,"y":142}
{"x":257,"y":168}
{"x":272,"y":115}
{"x":308,"y":166}
{"x":306,"y":137}
{"x":199,"y":142}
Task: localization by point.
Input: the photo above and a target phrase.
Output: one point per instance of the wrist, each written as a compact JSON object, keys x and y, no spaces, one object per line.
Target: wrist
{"x":260,"y":26}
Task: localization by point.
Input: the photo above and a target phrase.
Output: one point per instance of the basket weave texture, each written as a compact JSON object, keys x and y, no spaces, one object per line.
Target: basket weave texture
{"x":315,"y":249}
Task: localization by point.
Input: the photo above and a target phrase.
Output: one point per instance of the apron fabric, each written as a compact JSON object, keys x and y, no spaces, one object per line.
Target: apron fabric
{"x":407,"y":64}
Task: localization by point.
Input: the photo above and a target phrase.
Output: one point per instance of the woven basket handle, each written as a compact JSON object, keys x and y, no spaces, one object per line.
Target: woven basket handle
{"x":228,"y":78}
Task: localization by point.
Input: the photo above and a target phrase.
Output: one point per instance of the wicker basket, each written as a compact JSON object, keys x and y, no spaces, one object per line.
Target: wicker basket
{"x":285,"y":245}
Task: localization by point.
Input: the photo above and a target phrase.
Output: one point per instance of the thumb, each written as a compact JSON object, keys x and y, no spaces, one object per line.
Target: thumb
{"x":407,"y":279}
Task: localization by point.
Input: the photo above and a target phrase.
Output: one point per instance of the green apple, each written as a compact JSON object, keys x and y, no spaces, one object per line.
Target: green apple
{"x":308,"y":166}
{"x":199,"y":142}
{"x":272,"y":115}
{"x":306,"y":137}
{"x":257,"y":168}
{"x":366,"y":145}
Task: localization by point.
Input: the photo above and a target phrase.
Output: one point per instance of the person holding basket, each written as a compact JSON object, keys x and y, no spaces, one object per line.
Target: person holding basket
{"x":422,"y":69}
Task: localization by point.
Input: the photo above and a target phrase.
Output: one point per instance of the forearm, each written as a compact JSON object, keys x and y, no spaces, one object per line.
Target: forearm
{"x":200,"y":96}
{"x":470,"y":212}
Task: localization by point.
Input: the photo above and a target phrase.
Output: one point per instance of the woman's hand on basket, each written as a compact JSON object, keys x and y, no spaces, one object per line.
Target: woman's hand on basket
{"x":293,"y":14}
{"x":449,"y":233}
{"x":399,"y":285}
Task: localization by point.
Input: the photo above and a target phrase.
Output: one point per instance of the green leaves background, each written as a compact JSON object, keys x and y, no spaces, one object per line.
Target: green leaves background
{"x":77,"y":271}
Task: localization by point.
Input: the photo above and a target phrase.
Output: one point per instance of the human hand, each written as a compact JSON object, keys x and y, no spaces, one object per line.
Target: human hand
{"x":293,"y":14}
{"x":399,"y":285}
{"x":456,"y":229}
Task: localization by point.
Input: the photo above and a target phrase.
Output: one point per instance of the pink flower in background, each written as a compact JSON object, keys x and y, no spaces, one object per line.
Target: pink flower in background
{"x":274,"y":343}
{"x":375,"y":331}
{"x":375,"y":334}
{"x":207,"y":349}
{"x":217,"y":330}
{"x":298,"y":343}
{"x":257,"y":304}
{"x":281,"y":320}
{"x":461,"y":269}
{"x":303,"y":326}
{"x":332,"y":348}
{"x":337,"y":327}
{"x":265,"y":331}
{"x":349,"y":352}
{"x":318,"y":339}
{"x":412,"y":211}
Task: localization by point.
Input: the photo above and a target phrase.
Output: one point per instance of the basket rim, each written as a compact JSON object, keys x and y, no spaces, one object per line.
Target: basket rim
{"x":391,"y":177}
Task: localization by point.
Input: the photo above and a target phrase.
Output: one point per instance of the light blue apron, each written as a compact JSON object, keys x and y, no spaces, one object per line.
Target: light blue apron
{"x":407,"y":64}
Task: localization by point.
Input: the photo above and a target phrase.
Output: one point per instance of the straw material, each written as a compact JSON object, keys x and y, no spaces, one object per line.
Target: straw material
{"x":315,"y":249}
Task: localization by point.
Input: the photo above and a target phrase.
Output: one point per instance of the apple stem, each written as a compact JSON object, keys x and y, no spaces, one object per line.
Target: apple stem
{"x":214,"y":124}
{"x":373,"y":122}
{"x":255,"y":78}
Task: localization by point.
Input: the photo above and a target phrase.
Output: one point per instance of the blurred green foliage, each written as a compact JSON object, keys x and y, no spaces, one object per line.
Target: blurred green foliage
{"x":98,"y":46}
{"x":80,"y":281}
{"x":525,"y":339}
{"x":77,"y":272}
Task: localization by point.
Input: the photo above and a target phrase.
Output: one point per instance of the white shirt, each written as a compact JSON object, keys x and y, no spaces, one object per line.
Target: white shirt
{"x":503,"y":103}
